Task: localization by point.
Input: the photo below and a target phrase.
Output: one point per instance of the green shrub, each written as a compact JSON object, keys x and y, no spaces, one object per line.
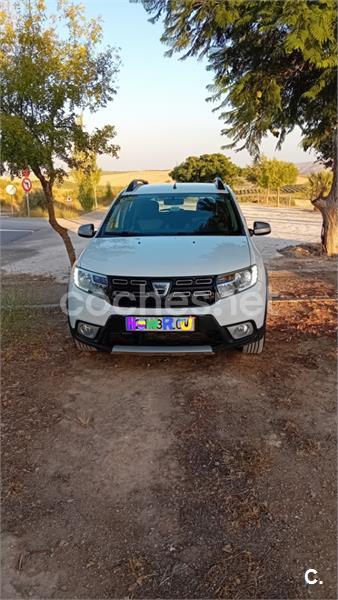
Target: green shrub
{"x":37,"y":200}
{"x":106,"y":194}
{"x":86,"y":195}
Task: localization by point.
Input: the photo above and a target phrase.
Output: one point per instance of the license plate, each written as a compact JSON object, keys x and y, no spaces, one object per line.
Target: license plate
{"x":155,"y":324}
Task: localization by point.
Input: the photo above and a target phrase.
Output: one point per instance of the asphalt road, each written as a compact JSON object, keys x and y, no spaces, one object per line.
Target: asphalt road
{"x":12,"y":230}
{"x":32,"y":246}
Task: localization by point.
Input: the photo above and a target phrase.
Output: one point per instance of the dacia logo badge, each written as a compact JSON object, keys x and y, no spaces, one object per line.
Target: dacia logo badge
{"x":161,"y":288}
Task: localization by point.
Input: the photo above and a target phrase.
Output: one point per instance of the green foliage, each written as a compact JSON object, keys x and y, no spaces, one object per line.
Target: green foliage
{"x":86,"y":194}
{"x":274,"y":64}
{"x":53,"y":68}
{"x":272,"y":174}
{"x":320,"y":183}
{"x":87,"y":176}
{"x":86,"y":165}
{"x":37,"y":200}
{"x":205,"y":168}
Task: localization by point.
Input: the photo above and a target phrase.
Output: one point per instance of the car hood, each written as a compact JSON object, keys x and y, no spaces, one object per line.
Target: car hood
{"x":168,"y":256}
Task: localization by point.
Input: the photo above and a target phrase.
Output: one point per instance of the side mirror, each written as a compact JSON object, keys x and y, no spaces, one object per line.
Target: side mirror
{"x":86,"y":231}
{"x":260,"y":228}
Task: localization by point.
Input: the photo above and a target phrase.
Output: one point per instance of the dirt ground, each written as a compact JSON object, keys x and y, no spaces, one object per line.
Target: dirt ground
{"x":180,"y":477}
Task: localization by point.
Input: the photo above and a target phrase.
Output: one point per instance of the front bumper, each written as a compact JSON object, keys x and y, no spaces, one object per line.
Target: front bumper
{"x":211,"y":323}
{"x":208,"y":337}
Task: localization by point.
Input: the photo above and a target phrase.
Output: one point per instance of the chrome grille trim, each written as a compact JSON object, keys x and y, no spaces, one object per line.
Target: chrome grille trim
{"x":203,"y":281}
{"x":180,"y":294}
{"x":184,"y":282}
{"x":205,"y":293}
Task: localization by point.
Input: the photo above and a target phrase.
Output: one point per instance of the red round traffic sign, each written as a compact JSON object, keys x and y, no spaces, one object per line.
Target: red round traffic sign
{"x":26,"y":184}
{"x":26,"y":173}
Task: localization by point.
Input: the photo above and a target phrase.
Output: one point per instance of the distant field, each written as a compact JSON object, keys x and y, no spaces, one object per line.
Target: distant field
{"x":115,"y":178}
{"x":302,"y":179}
{"x":122,"y":178}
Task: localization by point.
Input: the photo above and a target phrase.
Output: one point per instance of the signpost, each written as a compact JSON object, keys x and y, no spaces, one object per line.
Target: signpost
{"x":11,"y":190}
{"x":27,"y":186}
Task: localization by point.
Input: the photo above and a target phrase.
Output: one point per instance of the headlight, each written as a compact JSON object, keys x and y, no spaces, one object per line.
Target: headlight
{"x":231,"y":283}
{"x":93,"y":283}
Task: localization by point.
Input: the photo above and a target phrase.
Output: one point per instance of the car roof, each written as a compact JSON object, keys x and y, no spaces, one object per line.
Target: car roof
{"x":176,"y":188}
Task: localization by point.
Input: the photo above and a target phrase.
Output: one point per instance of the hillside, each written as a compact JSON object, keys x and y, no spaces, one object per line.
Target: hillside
{"x":306,"y":168}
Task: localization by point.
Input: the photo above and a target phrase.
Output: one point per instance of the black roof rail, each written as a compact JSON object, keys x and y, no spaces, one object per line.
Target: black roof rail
{"x":135,"y":184}
{"x":219,"y":183}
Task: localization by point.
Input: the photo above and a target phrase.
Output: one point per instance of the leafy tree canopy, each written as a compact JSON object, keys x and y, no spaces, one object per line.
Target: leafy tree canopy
{"x":273,"y":173}
{"x":274,"y":64}
{"x":47,"y":80}
{"x":52,"y":69}
{"x":205,"y":168}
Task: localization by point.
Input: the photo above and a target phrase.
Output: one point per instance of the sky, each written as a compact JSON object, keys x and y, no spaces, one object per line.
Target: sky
{"x":160,"y":111}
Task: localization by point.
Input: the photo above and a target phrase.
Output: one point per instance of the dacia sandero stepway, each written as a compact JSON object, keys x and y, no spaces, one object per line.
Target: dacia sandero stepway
{"x":172,"y":268}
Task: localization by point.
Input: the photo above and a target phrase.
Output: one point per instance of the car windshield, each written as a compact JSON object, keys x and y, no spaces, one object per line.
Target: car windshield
{"x":173,"y":214}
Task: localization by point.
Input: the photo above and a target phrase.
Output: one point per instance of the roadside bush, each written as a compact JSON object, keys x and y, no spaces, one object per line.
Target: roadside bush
{"x":86,"y":195}
{"x":37,"y":200}
{"x":38,"y":212}
{"x":106,"y":194}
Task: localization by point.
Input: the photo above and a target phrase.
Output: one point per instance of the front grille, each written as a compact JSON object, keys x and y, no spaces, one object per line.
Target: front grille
{"x":139,"y":292}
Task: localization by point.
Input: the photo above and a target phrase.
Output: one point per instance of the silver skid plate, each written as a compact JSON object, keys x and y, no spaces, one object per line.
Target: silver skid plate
{"x":122,"y":349}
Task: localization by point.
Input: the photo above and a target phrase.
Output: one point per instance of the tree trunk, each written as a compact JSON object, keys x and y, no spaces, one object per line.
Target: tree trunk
{"x":62,"y":231}
{"x":328,"y":207}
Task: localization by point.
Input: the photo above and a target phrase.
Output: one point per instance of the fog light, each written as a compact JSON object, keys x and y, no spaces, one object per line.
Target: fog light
{"x":241,"y":330}
{"x":88,"y":331}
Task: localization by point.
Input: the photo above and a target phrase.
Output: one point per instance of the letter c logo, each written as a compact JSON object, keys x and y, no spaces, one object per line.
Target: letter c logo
{"x":307,"y":578}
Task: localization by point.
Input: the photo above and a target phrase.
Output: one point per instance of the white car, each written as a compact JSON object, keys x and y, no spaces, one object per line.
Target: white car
{"x":172,"y":268}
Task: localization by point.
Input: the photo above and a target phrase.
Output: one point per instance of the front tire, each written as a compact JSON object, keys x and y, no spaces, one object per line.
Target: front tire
{"x":254,"y":347}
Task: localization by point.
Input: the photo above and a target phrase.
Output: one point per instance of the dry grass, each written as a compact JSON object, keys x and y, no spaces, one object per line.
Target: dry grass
{"x":122,"y":178}
{"x":15,"y":320}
